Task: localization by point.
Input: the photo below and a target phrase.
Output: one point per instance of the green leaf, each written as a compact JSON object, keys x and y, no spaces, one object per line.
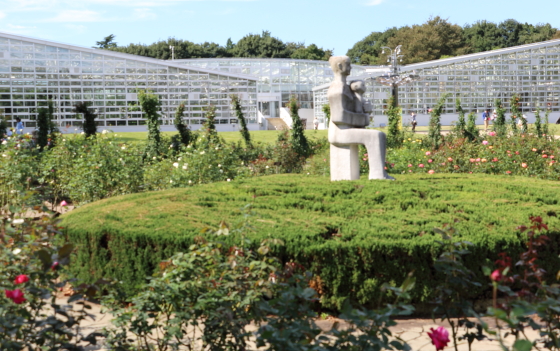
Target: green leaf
{"x":65,"y":251}
{"x":522,"y":345}
{"x":45,"y":259}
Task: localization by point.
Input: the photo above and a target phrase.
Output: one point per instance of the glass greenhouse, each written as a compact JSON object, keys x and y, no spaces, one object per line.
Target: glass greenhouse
{"x":33,"y":71}
{"x":530,"y":71}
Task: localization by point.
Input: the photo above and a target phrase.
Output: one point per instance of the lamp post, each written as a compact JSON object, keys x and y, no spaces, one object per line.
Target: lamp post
{"x":393,"y":78}
{"x":172,"y":48}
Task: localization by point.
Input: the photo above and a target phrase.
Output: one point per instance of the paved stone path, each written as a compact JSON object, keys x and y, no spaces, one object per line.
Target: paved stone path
{"x":412,"y":330}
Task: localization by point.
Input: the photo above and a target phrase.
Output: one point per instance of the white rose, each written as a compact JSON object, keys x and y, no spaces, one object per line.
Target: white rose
{"x":176,"y":165}
{"x":18,"y":221}
{"x":185,"y":166}
{"x":229,"y":180}
{"x":123,"y":147}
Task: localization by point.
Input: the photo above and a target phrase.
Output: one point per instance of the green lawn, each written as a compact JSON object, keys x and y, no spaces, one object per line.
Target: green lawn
{"x":263,"y":136}
{"x":270,"y":136}
{"x":354,"y":235}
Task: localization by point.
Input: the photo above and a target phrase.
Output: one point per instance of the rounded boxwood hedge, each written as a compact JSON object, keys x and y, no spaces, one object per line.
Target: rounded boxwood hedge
{"x":354,"y":236}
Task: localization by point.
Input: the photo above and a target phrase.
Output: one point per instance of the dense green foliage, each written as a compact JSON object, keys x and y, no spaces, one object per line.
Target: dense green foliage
{"x":354,"y":235}
{"x":150,"y":107}
{"x":251,"y":45}
{"x":89,"y":127}
{"x":437,"y":38}
{"x":236,"y":104}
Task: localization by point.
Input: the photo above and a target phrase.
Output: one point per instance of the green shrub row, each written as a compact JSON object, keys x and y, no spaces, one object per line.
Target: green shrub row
{"x":355,"y":236}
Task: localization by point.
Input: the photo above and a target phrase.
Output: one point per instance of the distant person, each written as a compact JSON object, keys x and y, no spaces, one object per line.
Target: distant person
{"x":413,"y":122}
{"x":316,"y":123}
{"x":486,"y":119}
{"x":494,"y":116}
{"x":19,"y":126}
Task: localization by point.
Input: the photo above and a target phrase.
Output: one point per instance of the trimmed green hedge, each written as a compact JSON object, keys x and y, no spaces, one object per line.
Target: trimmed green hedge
{"x":354,"y":235}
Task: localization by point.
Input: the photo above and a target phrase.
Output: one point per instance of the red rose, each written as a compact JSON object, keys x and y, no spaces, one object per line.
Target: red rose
{"x":496,"y":275}
{"x":440,"y":337}
{"x":15,"y":295}
{"x":20,"y":279}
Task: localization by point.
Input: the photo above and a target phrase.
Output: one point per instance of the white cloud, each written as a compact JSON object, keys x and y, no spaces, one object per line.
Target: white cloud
{"x":77,"y":16}
{"x":18,"y":29}
{"x":2,"y":14}
{"x":142,"y":14}
{"x":78,"y":28}
{"x":374,"y":2}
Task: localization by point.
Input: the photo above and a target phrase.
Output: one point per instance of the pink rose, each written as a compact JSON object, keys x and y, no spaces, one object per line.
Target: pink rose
{"x":431,"y":171}
{"x":496,"y":275}
{"x":544,"y":156}
{"x":517,"y":152}
{"x":20,"y":279}
{"x":508,"y":172}
{"x":15,"y":295}
{"x":492,"y":133}
{"x":421,"y":165}
{"x":430,"y":161}
{"x":409,"y":165}
{"x":449,"y":159}
{"x":484,"y":142}
{"x":428,"y":153}
{"x":440,"y":337}
{"x":472,"y":160}
{"x":477,"y":160}
{"x":524,"y":165}
{"x":63,"y":203}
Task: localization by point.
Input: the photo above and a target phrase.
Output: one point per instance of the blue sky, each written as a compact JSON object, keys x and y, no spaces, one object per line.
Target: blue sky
{"x":328,"y":23}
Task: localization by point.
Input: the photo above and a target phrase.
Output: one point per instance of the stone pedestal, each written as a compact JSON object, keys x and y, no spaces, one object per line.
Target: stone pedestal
{"x":345,"y":162}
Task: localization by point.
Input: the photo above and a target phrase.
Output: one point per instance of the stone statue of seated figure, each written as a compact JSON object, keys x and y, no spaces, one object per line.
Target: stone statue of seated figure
{"x":347,"y":128}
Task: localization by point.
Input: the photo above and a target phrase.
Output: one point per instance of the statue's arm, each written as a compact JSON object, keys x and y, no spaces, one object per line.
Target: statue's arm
{"x":341,"y":115}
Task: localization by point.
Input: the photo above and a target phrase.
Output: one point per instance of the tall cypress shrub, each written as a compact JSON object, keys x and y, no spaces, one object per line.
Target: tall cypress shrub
{"x":460,"y":126}
{"x":545,"y":124}
{"x":184,"y":131}
{"x":500,"y":122}
{"x":538,"y":123}
{"x":209,"y":125}
{"x":89,"y":127}
{"x":472,"y":130}
{"x":515,"y":113}
{"x":327,"y":111}
{"x":42,"y":127}
{"x":395,"y":134}
{"x":298,"y":139}
{"x":150,"y":105}
{"x":434,"y":133}
{"x":236,"y":103}
{"x":3,"y":125}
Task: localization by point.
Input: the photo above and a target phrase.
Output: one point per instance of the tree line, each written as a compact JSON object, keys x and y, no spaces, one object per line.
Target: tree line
{"x":437,"y":38}
{"x":251,"y":45}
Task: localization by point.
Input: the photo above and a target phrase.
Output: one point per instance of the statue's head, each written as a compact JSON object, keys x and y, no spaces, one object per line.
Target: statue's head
{"x":358,"y":86}
{"x":340,"y":65}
